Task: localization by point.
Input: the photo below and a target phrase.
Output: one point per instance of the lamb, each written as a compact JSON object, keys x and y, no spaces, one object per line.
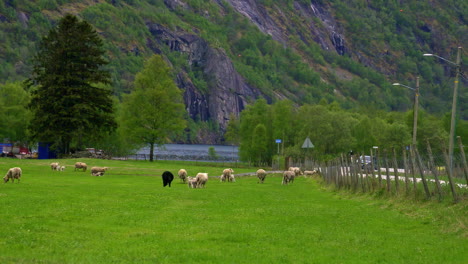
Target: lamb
{"x":95,"y":170}
{"x":54,"y":165}
{"x":201,"y":179}
{"x":81,"y":165}
{"x":182,"y":175}
{"x":61,"y":168}
{"x":167,"y":177}
{"x":13,"y":173}
{"x":261,"y":174}
{"x":228,"y":175}
{"x":100,"y":173}
{"x":288,"y":177}
{"x":192,"y":182}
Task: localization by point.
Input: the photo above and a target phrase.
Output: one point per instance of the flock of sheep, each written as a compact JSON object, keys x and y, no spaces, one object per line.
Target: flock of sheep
{"x":199,"y":181}
{"x":95,"y":171}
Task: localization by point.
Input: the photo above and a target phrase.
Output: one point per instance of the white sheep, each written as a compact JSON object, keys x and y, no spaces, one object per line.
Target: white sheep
{"x":81,"y":165}
{"x":288,"y":177}
{"x":192,"y":182}
{"x":13,"y":173}
{"x":61,"y":168}
{"x":228,"y":175}
{"x":201,"y":179}
{"x":261,"y":174}
{"x":310,"y":173}
{"x":182,"y":175}
{"x":101,"y":170}
{"x":54,"y":165}
{"x":297,"y":170}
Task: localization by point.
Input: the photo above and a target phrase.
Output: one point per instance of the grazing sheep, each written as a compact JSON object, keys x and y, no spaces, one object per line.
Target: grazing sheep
{"x":228,"y":175}
{"x":310,"y":173}
{"x":81,"y":165}
{"x":61,"y":168}
{"x":182,"y":175}
{"x":261,"y":174}
{"x":297,"y":170}
{"x":95,"y":170}
{"x":99,"y":173}
{"x":288,"y":177}
{"x":201,"y":179}
{"x":54,"y":165}
{"x":192,"y":182}
{"x":167,"y":177}
{"x":13,"y":173}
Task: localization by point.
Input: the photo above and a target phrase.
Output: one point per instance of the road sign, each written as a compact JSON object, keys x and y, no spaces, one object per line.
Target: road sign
{"x":307,"y":143}
{"x":278,"y":141}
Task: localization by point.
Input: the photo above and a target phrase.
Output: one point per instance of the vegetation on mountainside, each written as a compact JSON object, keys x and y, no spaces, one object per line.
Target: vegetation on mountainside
{"x":384,"y":43}
{"x":390,"y":36}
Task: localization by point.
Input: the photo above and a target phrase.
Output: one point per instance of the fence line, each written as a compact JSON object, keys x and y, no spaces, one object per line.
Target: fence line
{"x":393,"y":172}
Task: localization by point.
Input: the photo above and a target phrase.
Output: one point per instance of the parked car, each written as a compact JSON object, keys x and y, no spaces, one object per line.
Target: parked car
{"x":366,"y":162}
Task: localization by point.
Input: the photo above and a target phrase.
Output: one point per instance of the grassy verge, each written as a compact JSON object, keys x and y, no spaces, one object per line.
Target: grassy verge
{"x":127,"y":216}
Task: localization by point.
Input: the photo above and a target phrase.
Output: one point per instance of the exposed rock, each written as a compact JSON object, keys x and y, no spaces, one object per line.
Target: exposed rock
{"x":257,"y":14}
{"x":23,"y":18}
{"x":228,"y":93}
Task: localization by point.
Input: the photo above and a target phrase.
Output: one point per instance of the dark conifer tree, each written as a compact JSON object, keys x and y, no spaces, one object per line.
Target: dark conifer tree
{"x":70,"y":103}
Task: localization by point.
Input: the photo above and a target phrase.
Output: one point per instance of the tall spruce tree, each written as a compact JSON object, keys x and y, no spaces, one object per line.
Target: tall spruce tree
{"x":70,"y":103}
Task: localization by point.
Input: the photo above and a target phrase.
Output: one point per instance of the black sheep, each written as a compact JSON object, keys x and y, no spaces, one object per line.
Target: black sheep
{"x":167,"y":177}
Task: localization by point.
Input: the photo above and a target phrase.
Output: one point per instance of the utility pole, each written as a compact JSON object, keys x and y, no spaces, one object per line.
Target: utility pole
{"x":454,"y":109}
{"x":415,"y":111}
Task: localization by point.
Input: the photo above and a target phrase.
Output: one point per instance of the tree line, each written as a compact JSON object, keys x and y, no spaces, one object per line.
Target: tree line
{"x":332,"y":130}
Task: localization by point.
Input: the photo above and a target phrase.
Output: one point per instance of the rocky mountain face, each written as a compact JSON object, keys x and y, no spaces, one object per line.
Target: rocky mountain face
{"x":228,"y":92}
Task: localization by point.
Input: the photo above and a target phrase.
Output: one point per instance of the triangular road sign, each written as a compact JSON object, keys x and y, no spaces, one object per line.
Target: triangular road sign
{"x":307,"y":143}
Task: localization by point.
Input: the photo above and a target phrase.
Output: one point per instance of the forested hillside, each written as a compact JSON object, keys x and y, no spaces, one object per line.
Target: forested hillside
{"x":228,"y":53}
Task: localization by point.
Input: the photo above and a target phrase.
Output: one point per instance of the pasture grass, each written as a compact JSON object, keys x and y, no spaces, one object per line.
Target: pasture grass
{"x":127,"y":216}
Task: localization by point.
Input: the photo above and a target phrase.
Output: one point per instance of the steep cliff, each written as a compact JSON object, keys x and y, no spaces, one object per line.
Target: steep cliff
{"x":227,"y":92}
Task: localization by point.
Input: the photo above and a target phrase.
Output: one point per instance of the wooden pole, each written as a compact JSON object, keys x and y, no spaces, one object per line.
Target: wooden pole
{"x":405,"y":165}
{"x":387,"y":172}
{"x":433,"y":170}
{"x":421,"y":171}
{"x":413,"y":168}
{"x":462,"y":152}
{"x":449,"y":174}
{"x":395,"y":170}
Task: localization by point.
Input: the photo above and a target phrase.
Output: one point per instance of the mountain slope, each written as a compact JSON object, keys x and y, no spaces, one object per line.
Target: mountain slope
{"x":225,"y":54}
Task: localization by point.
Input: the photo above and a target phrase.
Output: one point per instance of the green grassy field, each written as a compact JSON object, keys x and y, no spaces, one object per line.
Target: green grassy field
{"x":127,"y":216}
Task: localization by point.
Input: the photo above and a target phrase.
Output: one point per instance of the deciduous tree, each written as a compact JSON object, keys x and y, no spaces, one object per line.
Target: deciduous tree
{"x":154,"y":110}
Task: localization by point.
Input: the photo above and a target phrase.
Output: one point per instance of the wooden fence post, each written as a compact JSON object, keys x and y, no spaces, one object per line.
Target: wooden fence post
{"x":433,"y":170}
{"x":421,"y":171}
{"x":373,"y":166}
{"x":361,"y":177}
{"x":465,"y":166}
{"x":413,"y":169}
{"x":379,"y":172}
{"x":387,"y":171}
{"x":395,"y":170}
{"x":405,"y":166}
{"x":449,"y":174}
